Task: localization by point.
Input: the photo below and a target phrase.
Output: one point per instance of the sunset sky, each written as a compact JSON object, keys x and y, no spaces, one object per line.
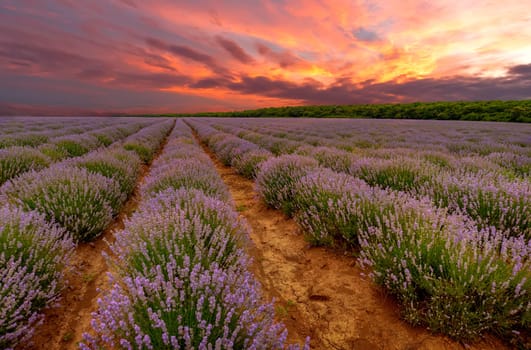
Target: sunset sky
{"x":98,"y":56}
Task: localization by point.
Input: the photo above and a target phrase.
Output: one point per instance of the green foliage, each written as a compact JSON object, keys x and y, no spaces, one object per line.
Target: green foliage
{"x":17,"y":160}
{"x":502,"y":111}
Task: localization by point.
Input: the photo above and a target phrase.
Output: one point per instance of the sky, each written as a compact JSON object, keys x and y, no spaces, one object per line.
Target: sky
{"x":157,"y":56}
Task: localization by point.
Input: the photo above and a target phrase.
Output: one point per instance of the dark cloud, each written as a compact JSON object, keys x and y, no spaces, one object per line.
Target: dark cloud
{"x":158,"y":61}
{"x":235,"y":50}
{"x":48,"y":58}
{"x":515,"y":86}
{"x":181,"y":50}
{"x":150,"y":81}
{"x":364,"y":34}
{"x":521,"y":70}
{"x":284,"y":59}
{"x":130,"y":3}
{"x":208,"y":83}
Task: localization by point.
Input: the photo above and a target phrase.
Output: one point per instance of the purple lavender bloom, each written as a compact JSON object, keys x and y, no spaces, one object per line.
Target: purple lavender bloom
{"x":80,"y":201}
{"x":186,"y":306}
{"x":187,"y":173}
{"x":148,"y":140}
{"x":33,"y":254}
{"x":277,"y":178}
{"x":17,"y":160}
{"x":115,"y":163}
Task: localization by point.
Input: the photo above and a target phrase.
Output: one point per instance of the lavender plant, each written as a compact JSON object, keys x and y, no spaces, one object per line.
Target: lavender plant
{"x":33,"y":255}
{"x":118,"y":164}
{"x":210,"y":211}
{"x":397,"y":174}
{"x":80,"y":201}
{"x":334,"y":208}
{"x":76,"y":145}
{"x":277,"y":177}
{"x":202,"y":234}
{"x":248,"y":163}
{"x":54,"y":152}
{"x":451,"y":277}
{"x":188,"y":173}
{"x":146,"y":142}
{"x":333,"y":158}
{"x":17,"y":160}
{"x":489,"y":199}
{"x":185,"y":306}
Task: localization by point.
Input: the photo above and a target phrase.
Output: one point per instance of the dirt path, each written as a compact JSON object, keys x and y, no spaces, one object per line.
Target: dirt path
{"x":319,"y":292}
{"x":65,"y":324}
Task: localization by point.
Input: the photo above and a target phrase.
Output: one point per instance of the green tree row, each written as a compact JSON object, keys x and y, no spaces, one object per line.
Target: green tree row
{"x":503,"y":111}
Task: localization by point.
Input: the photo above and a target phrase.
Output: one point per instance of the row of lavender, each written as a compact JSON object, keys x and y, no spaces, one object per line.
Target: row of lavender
{"x":46,"y":212}
{"x":445,"y":272}
{"x":457,"y":138}
{"x":36,"y":131}
{"x":181,"y":279}
{"x":16,"y":160}
{"x":493,"y":146}
{"x":467,"y":186}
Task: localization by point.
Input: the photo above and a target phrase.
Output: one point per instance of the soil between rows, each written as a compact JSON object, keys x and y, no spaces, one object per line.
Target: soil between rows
{"x":319,"y":292}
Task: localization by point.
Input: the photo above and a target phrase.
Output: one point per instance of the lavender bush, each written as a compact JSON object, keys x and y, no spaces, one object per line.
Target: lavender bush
{"x":188,"y":173}
{"x":185,"y":306}
{"x":333,"y":158}
{"x":277,"y":177}
{"x":121,"y":165}
{"x":248,"y":163}
{"x":76,"y":145}
{"x":334,"y":208}
{"x":80,"y":201}
{"x":33,"y":254}
{"x":397,"y":173}
{"x":451,"y":277}
{"x":17,"y":160}
{"x":25,"y":139}
{"x":489,"y":199}
{"x":205,"y":236}
{"x":210,"y":211}
{"x":54,"y":152}
{"x":148,"y":140}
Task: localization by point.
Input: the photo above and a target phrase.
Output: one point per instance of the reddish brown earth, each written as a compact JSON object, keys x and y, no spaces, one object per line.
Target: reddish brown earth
{"x":86,"y":278}
{"x":320,"y":293}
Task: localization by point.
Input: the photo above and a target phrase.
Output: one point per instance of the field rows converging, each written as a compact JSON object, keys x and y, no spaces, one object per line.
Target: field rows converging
{"x":47,"y":213}
{"x":19,"y":158}
{"x":456,"y":257}
{"x":321,"y":293}
{"x":205,"y":233}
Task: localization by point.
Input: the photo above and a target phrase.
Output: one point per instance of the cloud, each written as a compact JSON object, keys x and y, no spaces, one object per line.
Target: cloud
{"x":284,"y":59}
{"x":234,"y":50}
{"x":343,"y":91}
{"x":522,"y":70}
{"x":181,"y":50}
{"x":363,"y":34}
{"x":48,"y":58}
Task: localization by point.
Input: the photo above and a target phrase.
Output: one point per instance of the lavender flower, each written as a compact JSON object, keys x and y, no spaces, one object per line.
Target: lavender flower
{"x":33,"y":254}
{"x":17,"y":160}
{"x":188,"y":173}
{"x":277,"y":177}
{"x":80,"y":201}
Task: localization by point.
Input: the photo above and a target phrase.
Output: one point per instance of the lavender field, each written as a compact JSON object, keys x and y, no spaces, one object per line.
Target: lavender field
{"x":437,"y":215}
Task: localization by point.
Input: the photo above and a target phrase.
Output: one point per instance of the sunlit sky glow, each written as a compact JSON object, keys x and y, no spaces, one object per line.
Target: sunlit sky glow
{"x":98,"y":56}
